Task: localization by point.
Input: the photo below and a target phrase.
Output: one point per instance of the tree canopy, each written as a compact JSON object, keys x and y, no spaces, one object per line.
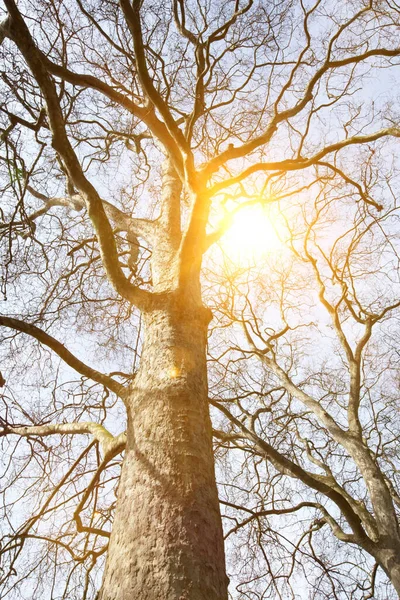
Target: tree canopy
{"x":136,"y":137}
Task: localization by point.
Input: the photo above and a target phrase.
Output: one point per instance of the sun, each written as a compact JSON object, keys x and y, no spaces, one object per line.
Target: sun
{"x":252,"y":236}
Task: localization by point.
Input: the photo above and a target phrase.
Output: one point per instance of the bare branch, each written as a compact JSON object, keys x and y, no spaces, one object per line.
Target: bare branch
{"x":63,"y":353}
{"x":132,"y":16}
{"x":22,"y":38}
{"x":318,"y":482}
{"x":110,"y":445}
{"x":283,"y":116}
{"x":295,"y":164}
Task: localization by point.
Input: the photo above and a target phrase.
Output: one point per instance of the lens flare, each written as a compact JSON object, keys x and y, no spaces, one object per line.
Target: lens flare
{"x":252,"y":236}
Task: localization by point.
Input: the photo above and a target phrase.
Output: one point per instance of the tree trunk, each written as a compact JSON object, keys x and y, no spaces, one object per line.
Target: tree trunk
{"x":389,"y":559}
{"x":166,"y":542}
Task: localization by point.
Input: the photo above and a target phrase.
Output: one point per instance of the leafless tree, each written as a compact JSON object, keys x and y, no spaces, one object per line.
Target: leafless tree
{"x":132,"y":132}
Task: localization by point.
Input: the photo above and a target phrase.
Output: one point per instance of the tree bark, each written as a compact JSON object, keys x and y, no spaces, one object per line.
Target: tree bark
{"x":389,"y":559}
{"x":167,"y":542}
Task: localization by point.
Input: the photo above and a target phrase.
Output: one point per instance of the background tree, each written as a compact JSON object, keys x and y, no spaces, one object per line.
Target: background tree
{"x":132,"y":135}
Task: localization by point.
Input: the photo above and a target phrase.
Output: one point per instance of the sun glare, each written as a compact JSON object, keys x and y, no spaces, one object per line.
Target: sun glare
{"x":252,"y":236}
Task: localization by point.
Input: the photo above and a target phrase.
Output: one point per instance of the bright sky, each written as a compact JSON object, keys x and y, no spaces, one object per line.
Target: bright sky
{"x":253,"y":235}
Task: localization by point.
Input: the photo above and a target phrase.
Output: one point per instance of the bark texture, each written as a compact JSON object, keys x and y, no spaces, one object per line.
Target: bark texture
{"x":167,"y":541}
{"x":389,"y":559}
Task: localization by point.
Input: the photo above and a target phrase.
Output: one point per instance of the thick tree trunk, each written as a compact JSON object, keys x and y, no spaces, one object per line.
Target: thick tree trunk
{"x":167,"y":542}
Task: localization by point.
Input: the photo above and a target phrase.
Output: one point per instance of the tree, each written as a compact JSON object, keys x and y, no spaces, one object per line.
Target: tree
{"x":132,"y":133}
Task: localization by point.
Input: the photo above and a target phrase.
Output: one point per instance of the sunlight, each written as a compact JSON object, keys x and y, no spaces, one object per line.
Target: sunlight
{"x":252,"y":236}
